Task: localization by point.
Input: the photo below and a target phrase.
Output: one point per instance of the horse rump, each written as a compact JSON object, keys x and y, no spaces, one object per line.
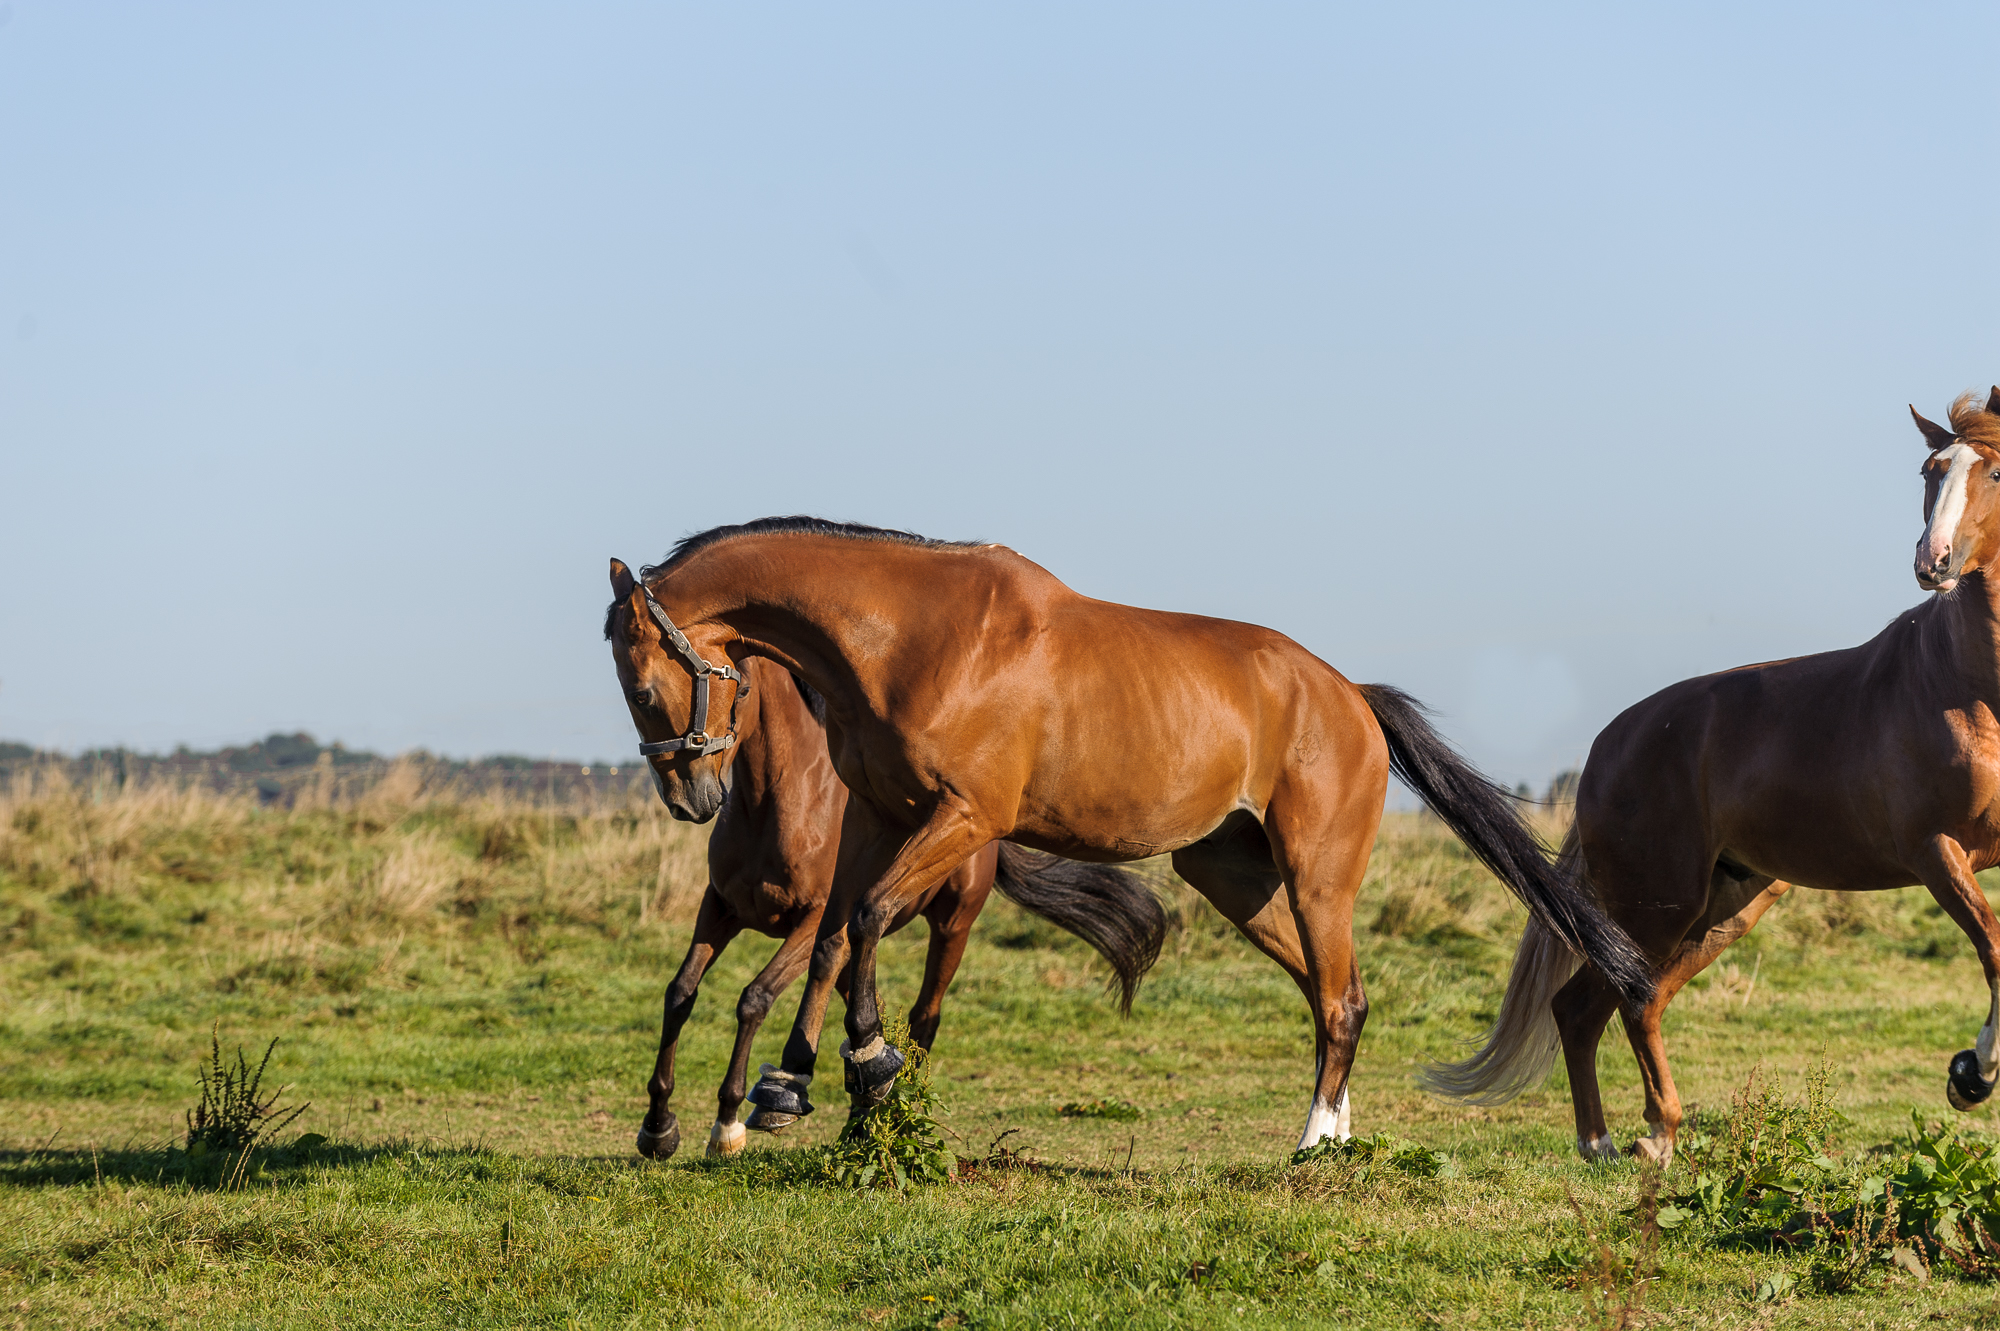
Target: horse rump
{"x":1111,"y":909}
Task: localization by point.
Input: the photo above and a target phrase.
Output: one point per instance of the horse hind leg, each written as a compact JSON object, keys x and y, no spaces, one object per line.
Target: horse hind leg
{"x":1236,"y":872}
{"x":951,"y":914}
{"x":1735,"y":906}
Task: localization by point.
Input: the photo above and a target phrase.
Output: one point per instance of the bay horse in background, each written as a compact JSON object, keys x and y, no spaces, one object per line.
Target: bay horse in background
{"x":1859,"y":770}
{"x":972,"y":697}
{"x":770,"y":865}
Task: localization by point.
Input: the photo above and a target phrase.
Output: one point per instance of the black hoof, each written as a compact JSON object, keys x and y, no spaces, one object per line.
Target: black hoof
{"x":870,"y":1083}
{"x":780,"y":1098}
{"x":765,"y":1120}
{"x":1963,"y":1086}
{"x":661,"y":1144}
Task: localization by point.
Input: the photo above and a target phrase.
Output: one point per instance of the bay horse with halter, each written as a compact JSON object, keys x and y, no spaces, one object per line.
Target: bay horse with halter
{"x":1859,"y":770}
{"x":970,"y":696}
{"x":770,"y":866}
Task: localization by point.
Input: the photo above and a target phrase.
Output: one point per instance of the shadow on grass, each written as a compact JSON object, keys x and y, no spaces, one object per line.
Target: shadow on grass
{"x":213,"y":1171}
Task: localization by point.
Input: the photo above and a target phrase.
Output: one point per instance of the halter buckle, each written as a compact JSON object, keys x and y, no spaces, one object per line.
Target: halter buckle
{"x":697,"y":739}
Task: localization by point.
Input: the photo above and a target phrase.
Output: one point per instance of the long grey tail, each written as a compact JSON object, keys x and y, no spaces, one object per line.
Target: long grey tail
{"x":1485,"y":817}
{"x":1521,"y":1048}
{"x":1110,"y":909}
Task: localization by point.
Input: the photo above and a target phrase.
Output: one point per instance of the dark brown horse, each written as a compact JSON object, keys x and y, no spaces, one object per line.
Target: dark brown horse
{"x":970,"y":697}
{"x":770,"y":865}
{"x":1855,"y":771}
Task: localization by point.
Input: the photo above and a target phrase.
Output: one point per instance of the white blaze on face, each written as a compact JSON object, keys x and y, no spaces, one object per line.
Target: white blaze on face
{"x":1941,"y":532}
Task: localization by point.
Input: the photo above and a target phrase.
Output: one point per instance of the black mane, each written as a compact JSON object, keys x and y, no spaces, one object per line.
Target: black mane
{"x":799,"y":523}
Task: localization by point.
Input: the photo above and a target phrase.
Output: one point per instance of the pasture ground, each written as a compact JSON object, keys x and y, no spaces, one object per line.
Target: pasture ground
{"x":469,"y":996}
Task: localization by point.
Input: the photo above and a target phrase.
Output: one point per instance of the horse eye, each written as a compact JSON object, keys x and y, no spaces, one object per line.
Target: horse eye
{"x":1995,"y":475}
{"x":641,"y":697}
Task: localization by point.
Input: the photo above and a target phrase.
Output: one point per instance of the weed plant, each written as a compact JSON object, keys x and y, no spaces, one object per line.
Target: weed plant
{"x":234,"y":1114}
{"x":898,"y":1143}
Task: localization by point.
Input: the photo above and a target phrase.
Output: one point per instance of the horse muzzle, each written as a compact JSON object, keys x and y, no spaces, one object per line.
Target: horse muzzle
{"x":690,"y":801}
{"x":1937,"y":572}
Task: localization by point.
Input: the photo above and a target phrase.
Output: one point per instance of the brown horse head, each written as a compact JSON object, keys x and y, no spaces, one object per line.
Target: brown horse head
{"x":1961,"y":494}
{"x":659,"y":682}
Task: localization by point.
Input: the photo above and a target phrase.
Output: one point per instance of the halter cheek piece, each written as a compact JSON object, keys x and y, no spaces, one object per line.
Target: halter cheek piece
{"x":698,"y":742}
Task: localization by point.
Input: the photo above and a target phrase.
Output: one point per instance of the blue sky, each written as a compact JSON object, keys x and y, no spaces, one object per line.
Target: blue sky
{"x":1530,"y":358}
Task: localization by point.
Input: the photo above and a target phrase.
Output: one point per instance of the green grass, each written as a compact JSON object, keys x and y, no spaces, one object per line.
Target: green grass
{"x":469,"y":996}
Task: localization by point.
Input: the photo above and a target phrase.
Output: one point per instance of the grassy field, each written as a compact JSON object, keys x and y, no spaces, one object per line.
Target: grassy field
{"x":468,"y":995}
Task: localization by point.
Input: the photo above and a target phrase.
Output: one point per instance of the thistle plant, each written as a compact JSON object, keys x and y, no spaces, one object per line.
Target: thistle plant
{"x":234,"y":1114}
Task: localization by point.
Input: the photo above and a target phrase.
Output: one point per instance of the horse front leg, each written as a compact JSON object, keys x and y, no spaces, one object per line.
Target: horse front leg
{"x":1948,"y":874}
{"x":895,"y":883}
{"x":660,"y":1132}
{"x":780,"y":1095}
{"x":727,"y":1136}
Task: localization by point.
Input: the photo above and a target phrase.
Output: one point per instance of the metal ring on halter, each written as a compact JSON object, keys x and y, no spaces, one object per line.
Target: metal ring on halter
{"x":696,"y":741}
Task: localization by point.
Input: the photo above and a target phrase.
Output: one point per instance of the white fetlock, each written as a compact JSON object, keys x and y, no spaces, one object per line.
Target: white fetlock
{"x":1597,"y":1149}
{"x":1343,"y":1118}
{"x":727,"y":1137}
{"x":1324,"y":1120}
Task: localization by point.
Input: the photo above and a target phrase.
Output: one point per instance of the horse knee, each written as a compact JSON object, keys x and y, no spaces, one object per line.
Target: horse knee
{"x":868,"y":921}
{"x":754,"y":1004}
{"x":827,"y":955}
{"x":680,"y":997}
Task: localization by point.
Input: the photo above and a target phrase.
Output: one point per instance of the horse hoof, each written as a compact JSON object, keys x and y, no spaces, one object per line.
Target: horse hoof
{"x":726,"y":1138}
{"x":786,"y":1099}
{"x":768,"y":1120}
{"x":1963,"y":1086}
{"x":1657,"y":1150}
{"x":1597,"y":1150}
{"x":871,"y":1080}
{"x":662,"y":1144}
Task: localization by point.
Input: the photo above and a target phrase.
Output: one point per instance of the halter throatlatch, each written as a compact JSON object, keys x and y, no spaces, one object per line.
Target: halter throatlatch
{"x":698,"y":742}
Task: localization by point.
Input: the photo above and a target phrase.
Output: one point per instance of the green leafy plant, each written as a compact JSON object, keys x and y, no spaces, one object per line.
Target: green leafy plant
{"x":1764,"y":1169}
{"x":1380,"y":1150}
{"x":234,"y":1114}
{"x":1948,"y":1197}
{"x":1119,"y":1111}
{"x":899,"y":1142}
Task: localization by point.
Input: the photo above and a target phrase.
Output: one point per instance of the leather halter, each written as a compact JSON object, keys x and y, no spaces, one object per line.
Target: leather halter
{"x":698,"y":742}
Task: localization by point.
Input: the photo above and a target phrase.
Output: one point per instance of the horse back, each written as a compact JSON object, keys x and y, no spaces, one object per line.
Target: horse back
{"x":1826,"y":770}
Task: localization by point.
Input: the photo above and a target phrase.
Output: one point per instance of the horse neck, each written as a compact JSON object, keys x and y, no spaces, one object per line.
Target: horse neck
{"x":1969,"y":619}
{"x":816,"y":628}
{"x":775,"y":736}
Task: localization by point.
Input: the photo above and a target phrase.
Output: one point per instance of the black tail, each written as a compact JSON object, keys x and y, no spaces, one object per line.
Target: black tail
{"x":1110,"y":909}
{"x":1485,"y":818}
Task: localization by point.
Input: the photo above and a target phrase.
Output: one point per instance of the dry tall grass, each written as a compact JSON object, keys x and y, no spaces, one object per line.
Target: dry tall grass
{"x":84,"y":868}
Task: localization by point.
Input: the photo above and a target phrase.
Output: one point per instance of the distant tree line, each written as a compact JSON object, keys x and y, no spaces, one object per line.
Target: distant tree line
{"x":281,"y":768}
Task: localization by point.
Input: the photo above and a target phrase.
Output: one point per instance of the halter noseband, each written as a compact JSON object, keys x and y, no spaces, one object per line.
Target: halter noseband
{"x":698,"y":742}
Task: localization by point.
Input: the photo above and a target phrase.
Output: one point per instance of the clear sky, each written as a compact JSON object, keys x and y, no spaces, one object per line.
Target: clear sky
{"x":1529,"y":357}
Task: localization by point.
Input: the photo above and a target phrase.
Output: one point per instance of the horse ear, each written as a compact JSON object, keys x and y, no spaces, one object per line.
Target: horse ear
{"x":1993,"y":401}
{"x":623,"y":584}
{"x":1935,"y":435}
